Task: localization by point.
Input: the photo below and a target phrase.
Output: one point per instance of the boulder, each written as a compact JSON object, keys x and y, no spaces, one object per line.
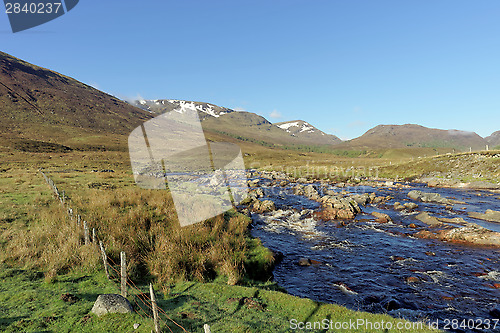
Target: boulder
{"x":111,"y":303}
{"x":361,"y":199}
{"x":412,"y":279}
{"x":345,"y":214}
{"x":267,"y":206}
{"x":455,"y":220}
{"x":398,"y":206}
{"x":311,"y":193}
{"x":253,"y":182}
{"x":471,"y":234}
{"x":307,"y":262}
{"x":428,"y":219}
{"x":410,"y":205}
{"x":381,"y":217}
{"x":429,"y":197}
{"x":298,"y":189}
{"x":259,"y":193}
{"x":489,"y":215}
{"x":263,"y":206}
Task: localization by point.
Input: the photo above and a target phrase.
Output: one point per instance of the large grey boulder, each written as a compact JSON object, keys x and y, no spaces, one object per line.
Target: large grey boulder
{"x":490,"y":215}
{"x":428,"y":219}
{"x":111,"y":303}
{"x":430,"y":197}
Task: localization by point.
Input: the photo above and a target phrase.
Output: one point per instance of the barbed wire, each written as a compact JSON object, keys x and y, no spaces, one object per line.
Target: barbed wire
{"x":143,"y":297}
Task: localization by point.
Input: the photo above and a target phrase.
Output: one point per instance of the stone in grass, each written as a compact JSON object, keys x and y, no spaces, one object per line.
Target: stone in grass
{"x":111,"y":303}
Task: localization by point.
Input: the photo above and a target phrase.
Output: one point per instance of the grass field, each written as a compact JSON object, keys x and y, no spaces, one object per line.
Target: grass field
{"x":202,"y":274}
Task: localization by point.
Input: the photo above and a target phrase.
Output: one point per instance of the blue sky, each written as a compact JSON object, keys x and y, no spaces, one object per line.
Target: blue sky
{"x":344,"y":66}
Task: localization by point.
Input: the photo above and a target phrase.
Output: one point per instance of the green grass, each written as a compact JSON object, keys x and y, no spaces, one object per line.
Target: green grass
{"x":464,"y":167}
{"x":30,"y":304}
{"x":30,"y":296}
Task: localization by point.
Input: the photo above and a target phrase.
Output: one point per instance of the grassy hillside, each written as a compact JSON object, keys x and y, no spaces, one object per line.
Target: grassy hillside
{"x":465,"y":167}
{"x":42,"y":105}
{"x":415,"y":136}
{"x":494,"y":140}
{"x":308,"y":133}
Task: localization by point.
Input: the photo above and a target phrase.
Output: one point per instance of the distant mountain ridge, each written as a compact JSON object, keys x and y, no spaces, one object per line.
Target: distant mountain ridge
{"x":412,"y":135}
{"x":38,"y":104}
{"x":305,"y":131}
{"x":242,"y":124}
{"x":494,"y":139}
{"x":159,"y":106}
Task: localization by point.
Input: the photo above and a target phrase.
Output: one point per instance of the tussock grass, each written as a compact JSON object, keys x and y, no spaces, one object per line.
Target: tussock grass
{"x":140,"y":222}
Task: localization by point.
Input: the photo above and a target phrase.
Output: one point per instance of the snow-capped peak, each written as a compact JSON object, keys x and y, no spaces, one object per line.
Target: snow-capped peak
{"x":181,"y":106}
{"x":302,"y":126}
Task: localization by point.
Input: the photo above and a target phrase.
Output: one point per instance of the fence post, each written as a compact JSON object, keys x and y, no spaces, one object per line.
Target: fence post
{"x":155,"y":308}
{"x":104,"y":258}
{"x":206,"y":328}
{"x":86,"y":233}
{"x":123,"y":273}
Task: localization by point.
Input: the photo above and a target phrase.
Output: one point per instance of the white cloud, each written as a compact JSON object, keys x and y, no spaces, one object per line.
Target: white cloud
{"x":239,"y":108}
{"x":275,"y":114}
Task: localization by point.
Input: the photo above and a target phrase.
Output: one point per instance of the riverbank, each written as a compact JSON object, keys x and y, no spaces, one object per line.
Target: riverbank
{"x":364,"y":244}
{"x":40,"y":264}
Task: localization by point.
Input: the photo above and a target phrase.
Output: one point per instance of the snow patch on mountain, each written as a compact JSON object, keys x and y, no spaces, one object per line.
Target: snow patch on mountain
{"x":302,"y":125}
{"x":286,"y":126}
{"x":181,"y":106}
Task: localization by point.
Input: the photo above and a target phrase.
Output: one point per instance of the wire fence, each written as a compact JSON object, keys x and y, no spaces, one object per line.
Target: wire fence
{"x":146,"y":310}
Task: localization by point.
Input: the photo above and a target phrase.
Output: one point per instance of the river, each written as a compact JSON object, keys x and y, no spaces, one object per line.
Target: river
{"x":381,"y":267}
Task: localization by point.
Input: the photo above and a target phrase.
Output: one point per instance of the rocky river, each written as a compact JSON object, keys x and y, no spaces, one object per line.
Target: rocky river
{"x":405,"y":249}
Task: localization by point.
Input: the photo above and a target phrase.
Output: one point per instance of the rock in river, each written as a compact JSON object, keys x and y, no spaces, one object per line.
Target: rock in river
{"x":430,"y":197}
{"x":263,"y":206}
{"x":489,"y":215}
{"x":428,"y":219}
{"x":381,"y":217}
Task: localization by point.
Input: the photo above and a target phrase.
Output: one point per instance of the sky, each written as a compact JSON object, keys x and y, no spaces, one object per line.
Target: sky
{"x":343,"y":66}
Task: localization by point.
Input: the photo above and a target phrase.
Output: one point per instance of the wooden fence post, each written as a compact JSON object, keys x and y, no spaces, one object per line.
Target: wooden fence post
{"x":104,"y":258}
{"x":155,"y":309}
{"x":86,"y":233}
{"x":123,"y":273}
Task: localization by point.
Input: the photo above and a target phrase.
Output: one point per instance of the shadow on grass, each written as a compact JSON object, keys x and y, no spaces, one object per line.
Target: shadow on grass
{"x":6,"y":322}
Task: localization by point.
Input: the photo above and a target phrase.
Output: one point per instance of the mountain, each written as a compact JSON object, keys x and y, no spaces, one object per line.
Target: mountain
{"x":305,"y":131}
{"x":494,"y":139}
{"x":249,"y":126}
{"x":415,"y":136}
{"x":243,"y":125}
{"x":43,"y":105}
{"x":159,"y":106}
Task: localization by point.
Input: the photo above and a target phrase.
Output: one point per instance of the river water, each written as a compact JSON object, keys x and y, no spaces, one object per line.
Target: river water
{"x":365,"y":265}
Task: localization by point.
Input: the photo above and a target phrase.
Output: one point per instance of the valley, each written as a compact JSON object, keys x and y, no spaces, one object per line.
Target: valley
{"x":307,"y":253}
